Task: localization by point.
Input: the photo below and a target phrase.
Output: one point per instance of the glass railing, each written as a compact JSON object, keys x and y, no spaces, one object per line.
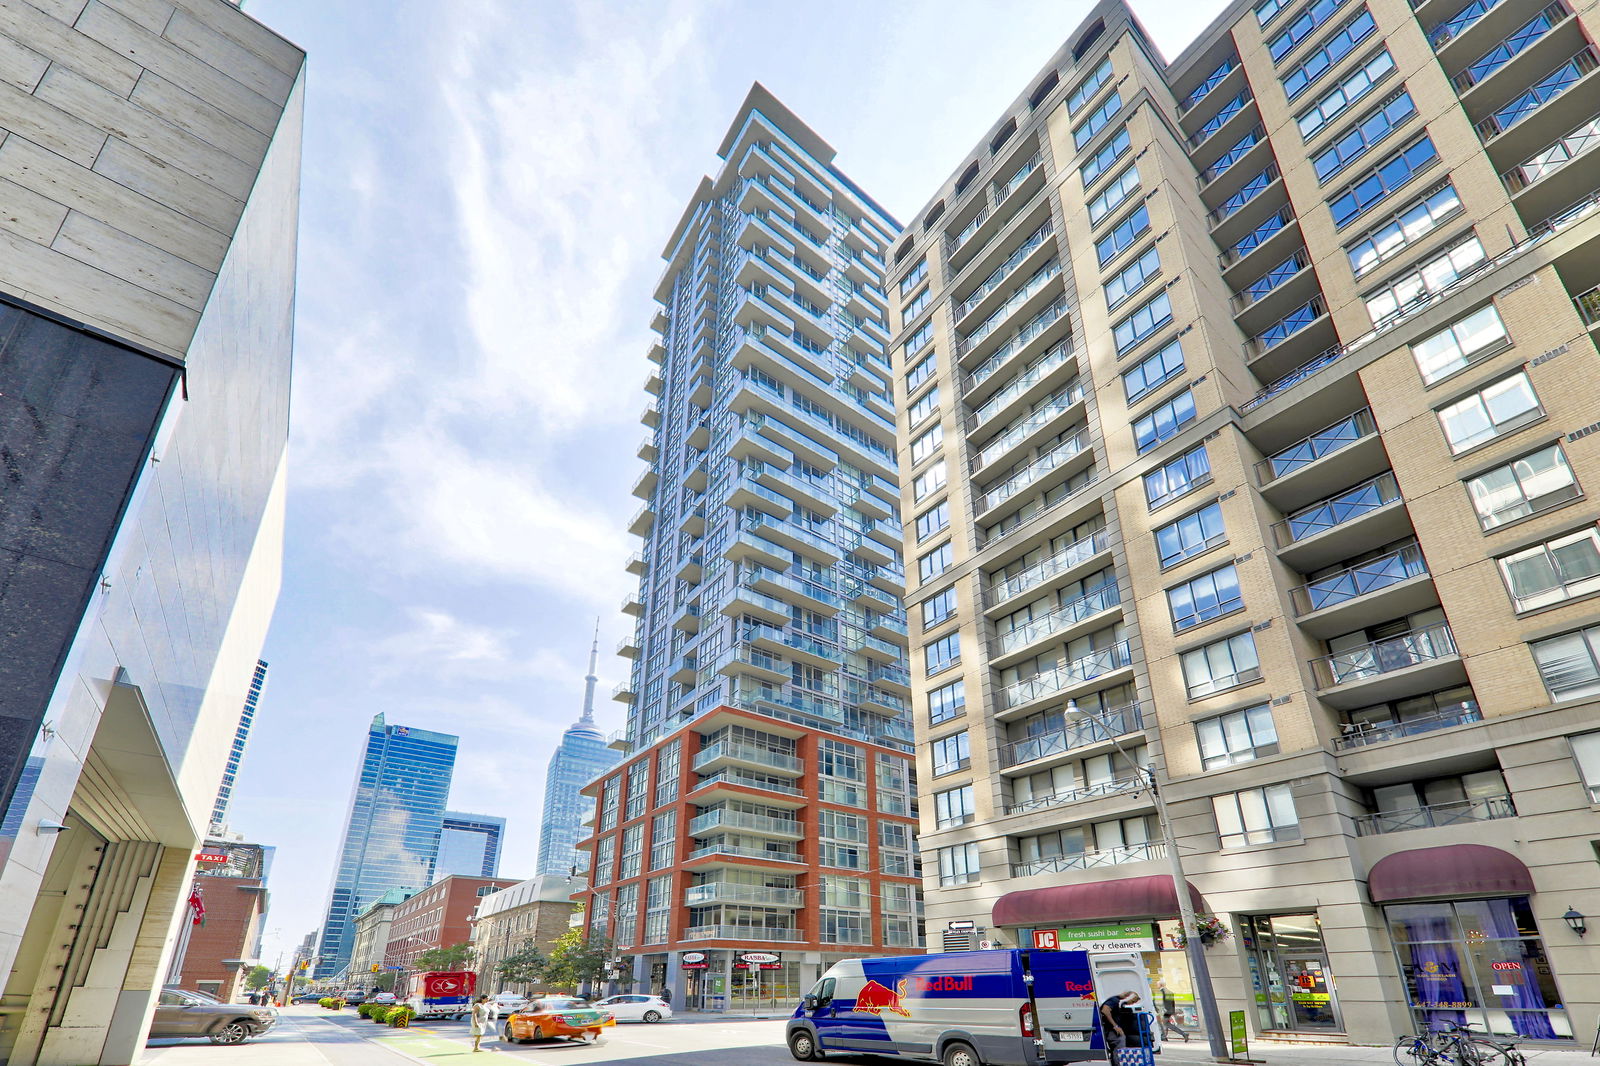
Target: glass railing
{"x":744,"y":752}
{"x":1089,"y":860}
{"x":1324,"y":441}
{"x":1546,"y":89}
{"x":1067,"y":674}
{"x":1348,"y":505}
{"x":1058,"y":354}
{"x":755,"y":823}
{"x":1035,"y":421}
{"x":1353,"y":581}
{"x":1425,"y":645}
{"x":1084,"y":731}
{"x":1232,"y":155}
{"x":1064,"y":558}
{"x":1279,"y":274}
{"x":1460,"y":22}
{"x":1203,"y":90}
{"x":1288,"y":325}
{"x":1249,"y":191}
{"x":970,"y":228}
{"x":737,"y":892}
{"x":1460,"y":812}
{"x":1362,"y":734}
{"x":748,"y":853}
{"x":791,"y":639}
{"x":1068,"y":614}
{"x":1555,"y":157}
{"x":1059,"y":455}
{"x":744,"y":934}
{"x":1008,"y":351}
{"x":1074,"y":795}
{"x":1518,"y":41}
{"x":1041,"y":277}
{"x":734,"y":777}
{"x":1220,"y":119}
{"x":994,"y":280}
{"x":1257,"y":237}
{"x":1002,"y":192}
{"x":1588,"y":305}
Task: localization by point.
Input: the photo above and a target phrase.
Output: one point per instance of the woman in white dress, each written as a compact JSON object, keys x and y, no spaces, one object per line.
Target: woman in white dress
{"x":480,"y":1020}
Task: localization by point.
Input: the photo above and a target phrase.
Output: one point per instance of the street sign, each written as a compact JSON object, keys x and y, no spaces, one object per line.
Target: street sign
{"x":962,"y":927}
{"x":1045,"y":940}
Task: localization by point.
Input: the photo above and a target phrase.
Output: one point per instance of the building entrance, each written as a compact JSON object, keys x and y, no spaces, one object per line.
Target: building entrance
{"x":762,"y":989}
{"x":1294,"y":987}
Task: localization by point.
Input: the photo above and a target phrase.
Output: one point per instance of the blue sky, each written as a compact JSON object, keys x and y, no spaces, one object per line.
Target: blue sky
{"x":487,"y":187}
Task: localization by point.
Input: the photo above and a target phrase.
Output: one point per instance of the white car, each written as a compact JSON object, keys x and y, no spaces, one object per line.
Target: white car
{"x":636,"y":1008}
{"x":382,"y":997}
{"x":502,"y":1003}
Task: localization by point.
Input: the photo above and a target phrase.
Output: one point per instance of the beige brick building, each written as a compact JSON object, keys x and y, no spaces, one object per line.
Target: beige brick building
{"x":1247,"y":410}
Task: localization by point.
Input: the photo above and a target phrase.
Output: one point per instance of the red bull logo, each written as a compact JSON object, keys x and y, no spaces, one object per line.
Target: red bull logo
{"x":876,"y":998}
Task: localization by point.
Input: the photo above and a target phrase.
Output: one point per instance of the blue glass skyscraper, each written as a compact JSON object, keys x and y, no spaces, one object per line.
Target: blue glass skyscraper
{"x":581,"y":757}
{"x":392,"y":837}
{"x":469,"y":845}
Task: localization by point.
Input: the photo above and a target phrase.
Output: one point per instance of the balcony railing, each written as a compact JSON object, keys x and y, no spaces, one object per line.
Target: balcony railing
{"x":732,"y":776}
{"x":1279,"y":274}
{"x":1520,"y":40}
{"x":1460,"y":23}
{"x":1425,"y":645}
{"x":1090,"y":860}
{"x":1002,"y":192}
{"x":745,"y":752}
{"x":1070,"y":673}
{"x":1370,"y":576}
{"x":1460,"y":812}
{"x":1216,"y":78}
{"x":994,"y":280}
{"x":1309,"y":449}
{"x":736,"y":892}
{"x":1348,"y":505}
{"x":1081,"y":733}
{"x":1057,"y":355}
{"x":1059,"y":455}
{"x":747,"y":853}
{"x":1220,"y":119}
{"x":1249,"y":191}
{"x":1257,"y":237}
{"x":1064,"y":558}
{"x":755,"y":823}
{"x":1288,"y":326}
{"x":1588,"y":305}
{"x":1232,"y":155}
{"x":1068,"y":614}
{"x":1553,"y":158}
{"x":1365,"y":734}
{"x":1065,"y":400}
{"x":745,"y":934}
{"x":1546,"y":89}
{"x":1007,"y":351}
{"x":1074,"y":795}
{"x":1040,"y":278}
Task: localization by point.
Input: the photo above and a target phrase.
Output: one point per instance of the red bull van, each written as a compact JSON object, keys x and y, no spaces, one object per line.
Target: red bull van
{"x":959,"y":1008}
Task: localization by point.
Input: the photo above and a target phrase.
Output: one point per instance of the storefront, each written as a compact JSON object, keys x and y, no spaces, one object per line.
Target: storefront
{"x":1479,"y":959}
{"x":723,"y":980}
{"x":1159,"y":946}
{"x":1290,"y":977}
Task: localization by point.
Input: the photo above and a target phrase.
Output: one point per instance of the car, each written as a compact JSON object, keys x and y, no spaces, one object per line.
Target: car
{"x":308,"y":997}
{"x":180,"y":1012}
{"x":555,"y":1018}
{"x":636,"y":1008}
{"x":506,"y":1002}
{"x":353,"y":997}
{"x":382,"y":997}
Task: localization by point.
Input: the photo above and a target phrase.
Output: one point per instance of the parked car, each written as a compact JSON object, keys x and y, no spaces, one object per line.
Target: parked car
{"x":553,"y":1018}
{"x":636,"y":1008}
{"x":180,"y":1012}
{"x":382,"y":997}
{"x":308,"y":997}
{"x":353,"y":997}
{"x":505,"y":1002}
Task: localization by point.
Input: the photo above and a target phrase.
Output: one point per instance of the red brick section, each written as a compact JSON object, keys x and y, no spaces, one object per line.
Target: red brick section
{"x":233,"y":906}
{"x":808,"y":878}
{"x":436,"y":917}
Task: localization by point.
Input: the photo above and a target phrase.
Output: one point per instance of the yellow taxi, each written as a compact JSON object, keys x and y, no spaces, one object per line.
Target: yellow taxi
{"x":555,"y":1018}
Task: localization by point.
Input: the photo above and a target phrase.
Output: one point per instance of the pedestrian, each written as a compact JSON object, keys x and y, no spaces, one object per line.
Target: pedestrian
{"x":1116,"y":1022}
{"x":666,"y":996}
{"x":480,"y":1021}
{"x":1169,"y":1014}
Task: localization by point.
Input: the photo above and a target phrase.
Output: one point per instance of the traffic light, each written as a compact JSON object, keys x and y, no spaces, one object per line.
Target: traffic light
{"x":375,"y":968}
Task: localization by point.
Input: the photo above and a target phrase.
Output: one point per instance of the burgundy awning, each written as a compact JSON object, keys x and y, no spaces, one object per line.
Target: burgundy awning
{"x":1094,"y":901}
{"x":1451,"y":870}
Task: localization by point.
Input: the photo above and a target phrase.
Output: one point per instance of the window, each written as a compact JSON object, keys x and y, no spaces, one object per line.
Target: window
{"x":1221,"y":665}
{"x":1559,"y":569}
{"x":1340,"y":43}
{"x":911,"y":280}
{"x":953,"y":807}
{"x":925,"y":445}
{"x":1237,"y":736}
{"x":1089,"y":86}
{"x":1381,"y":182}
{"x":1533,"y":483}
{"x":1300,"y":28}
{"x":947,"y":702}
{"x":939,"y":608}
{"x":667,"y":766}
{"x":924,"y":407}
{"x":663,"y":840}
{"x":1153,"y":371}
{"x":919,"y":373}
{"x":1360,"y":138}
{"x":1200,"y":599}
{"x":1407,"y":226}
{"x":1462,"y":343}
{"x":912,"y":309}
{"x":1414,"y":287}
{"x":1586,"y":750}
{"x":929,"y":481}
{"x":1500,"y":408}
{"x":1256,"y":816}
{"x":1142,"y":322}
{"x":1113,"y":195}
{"x":1196,"y":532}
{"x":932,"y":521}
{"x":941,"y":654}
{"x":1125,"y":233}
{"x":1267,"y":10}
{"x":1177,"y":476}
{"x":917,"y":340}
{"x":1109,"y":153}
{"x":1085,"y":130}
{"x":1163,"y":422}
{"x":958,"y":865}
{"x":1333,"y":103}
{"x":934,"y":563}
{"x":1570,"y":663}
{"x":1131,"y":278}
{"x":951,"y":754}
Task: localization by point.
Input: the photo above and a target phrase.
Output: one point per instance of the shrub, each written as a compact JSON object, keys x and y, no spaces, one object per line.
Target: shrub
{"x":400,"y":1017}
{"x":380,"y":1013}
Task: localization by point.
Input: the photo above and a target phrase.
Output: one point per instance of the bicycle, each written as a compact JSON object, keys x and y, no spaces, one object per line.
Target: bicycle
{"x":1456,"y":1046}
{"x":1486,"y":1050}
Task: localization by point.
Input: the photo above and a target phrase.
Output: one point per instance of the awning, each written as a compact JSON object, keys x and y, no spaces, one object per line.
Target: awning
{"x":1451,"y":870}
{"x":1094,"y":901}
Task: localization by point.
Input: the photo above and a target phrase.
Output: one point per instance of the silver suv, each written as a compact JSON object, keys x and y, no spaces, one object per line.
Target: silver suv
{"x":181,"y":1012}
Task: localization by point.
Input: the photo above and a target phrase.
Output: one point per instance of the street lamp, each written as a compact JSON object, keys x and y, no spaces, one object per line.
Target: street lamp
{"x":1200,"y":974}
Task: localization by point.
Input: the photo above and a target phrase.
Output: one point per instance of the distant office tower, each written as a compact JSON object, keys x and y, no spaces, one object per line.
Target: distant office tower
{"x":581,"y":756}
{"x":241,"y":736}
{"x":765,"y":803}
{"x":391,"y":839}
{"x":469,"y":845}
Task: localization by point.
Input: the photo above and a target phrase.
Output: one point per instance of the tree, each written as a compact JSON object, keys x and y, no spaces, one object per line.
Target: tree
{"x":258,"y":978}
{"x":576,"y":959}
{"x":385,"y":981}
{"x":525,"y":966}
{"x":454,"y":957}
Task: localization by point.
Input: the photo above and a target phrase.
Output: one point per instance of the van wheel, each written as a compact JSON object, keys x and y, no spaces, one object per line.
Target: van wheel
{"x":959,"y":1054}
{"x":803,"y":1046}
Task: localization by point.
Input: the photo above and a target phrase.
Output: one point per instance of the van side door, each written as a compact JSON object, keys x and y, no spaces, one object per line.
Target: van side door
{"x":1064,"y":1002}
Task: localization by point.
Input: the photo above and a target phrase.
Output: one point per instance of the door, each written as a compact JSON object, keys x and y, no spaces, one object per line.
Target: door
{"x":1064,"y":1003}
{"x":1311,"y":992}
{"x":1295,"y":984}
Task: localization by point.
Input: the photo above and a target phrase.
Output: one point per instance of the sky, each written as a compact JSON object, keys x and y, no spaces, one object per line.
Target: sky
{"x":487,"y":188}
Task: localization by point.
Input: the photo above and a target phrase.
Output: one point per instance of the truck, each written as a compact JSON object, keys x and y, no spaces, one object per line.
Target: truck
{"x":1016,"y":1007}
{"x":441,"y":993}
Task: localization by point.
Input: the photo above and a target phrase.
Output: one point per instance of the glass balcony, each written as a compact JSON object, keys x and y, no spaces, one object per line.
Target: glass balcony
{"x":1002,"y":191}
{"x":1553,"y":158}
{"x":1460,"y":812}
{"x":1360,"y":580}
{"x":1046,"y":318}
{"x":1114,"y":787}
{"x":1220,"y":119}
{"x":1269,"y":281}
{"x":1065,"y":558}
{"x":1042,"y":277}
{"x":1287,"y":326}
{"x":1546,"y":89}
{"x":1214,"y":79}
{"x":1249,"y":191}
{"x":748,"y":780}
{"x":1323,"y":442}
{"x":1232,"y":155}
{"x":1090,"y":860}
{"x":724,"y":752}
{"x":736,"y":892}
{"x":1515,"y":43}
{"x":1082,"y":732}
{"x":1058,"y":355}
{"x":1063,"y":617}
{"x":994,"y":280}
{"x":1460,"y":22}
{"x":1328,"y":514}
{"x":1420,"y":646}
{"x":1274,"y":223}
{"x":754,"y":823}
{"x":1365,"y":734}
{"x":1068,"y":674}
{"x":744,"y":934}
{"x":1058,"y":455}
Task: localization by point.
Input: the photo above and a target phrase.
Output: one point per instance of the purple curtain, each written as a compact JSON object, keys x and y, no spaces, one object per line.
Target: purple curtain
{"x":1437,"y":970}
{"x":1526,"y":998}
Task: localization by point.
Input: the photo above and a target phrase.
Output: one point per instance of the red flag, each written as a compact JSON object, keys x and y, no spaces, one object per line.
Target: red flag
{"x":198,"y":905}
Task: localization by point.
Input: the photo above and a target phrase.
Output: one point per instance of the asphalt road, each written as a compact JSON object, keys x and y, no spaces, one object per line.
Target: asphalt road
{"x":672,"y":1043}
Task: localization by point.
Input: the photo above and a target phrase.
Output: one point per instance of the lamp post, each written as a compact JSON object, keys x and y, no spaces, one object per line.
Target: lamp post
{"x":1199,"y":973}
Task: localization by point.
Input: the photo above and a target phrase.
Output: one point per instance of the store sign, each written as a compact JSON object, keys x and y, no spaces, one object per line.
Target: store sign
{"x":693,"y":960}
{"x":1046,"y":940}
{"x":764,"y":960}
{"x":1135,"y":936}
{"x":211,"y":856}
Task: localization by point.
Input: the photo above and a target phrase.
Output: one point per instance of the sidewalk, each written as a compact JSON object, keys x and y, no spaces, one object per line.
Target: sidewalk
{"x":315,"y":1037}
{"x":1276,"y":1054}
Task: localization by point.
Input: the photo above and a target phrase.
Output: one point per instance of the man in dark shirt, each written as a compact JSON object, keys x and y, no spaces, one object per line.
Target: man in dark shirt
{"x":1117,"y":1021}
